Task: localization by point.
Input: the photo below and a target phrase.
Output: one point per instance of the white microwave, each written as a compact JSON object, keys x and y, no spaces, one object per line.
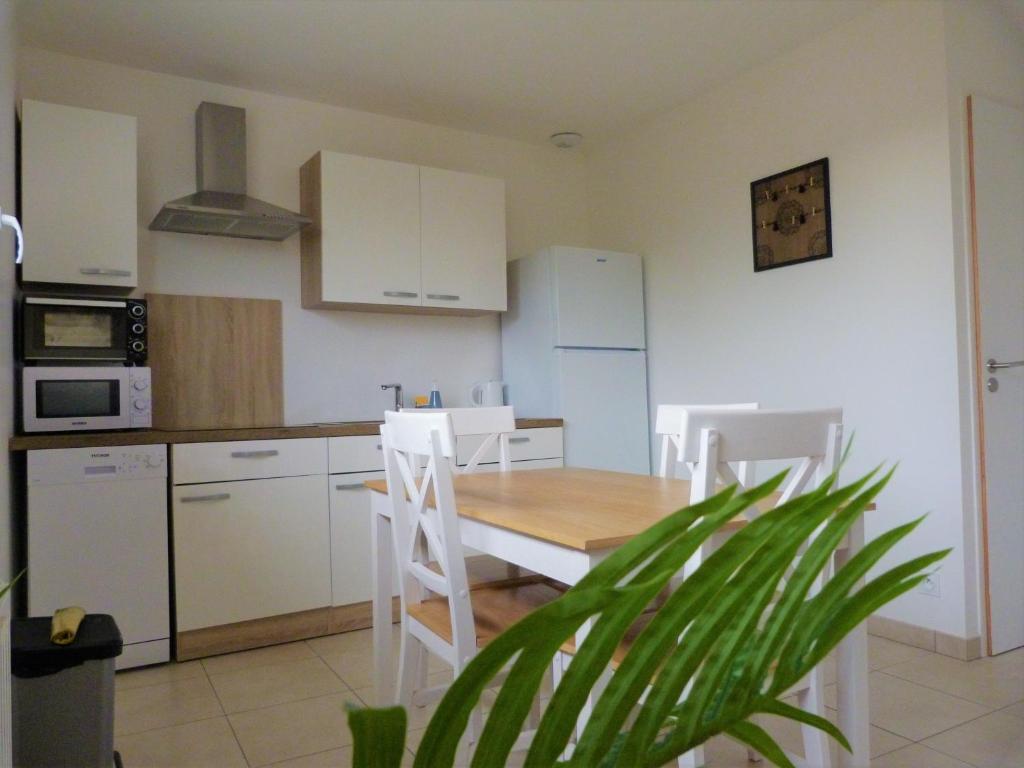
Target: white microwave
{"x":62,"y":399}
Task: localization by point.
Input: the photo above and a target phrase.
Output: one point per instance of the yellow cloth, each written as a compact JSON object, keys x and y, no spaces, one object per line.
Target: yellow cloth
{"x":65,"y":624}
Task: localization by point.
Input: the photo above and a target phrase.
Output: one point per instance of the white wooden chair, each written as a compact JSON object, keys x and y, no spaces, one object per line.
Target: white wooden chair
{"x":440,"y":614}
{"x":713,"y":440}
{"x":668,"y":423}
{"x":495,"y":424}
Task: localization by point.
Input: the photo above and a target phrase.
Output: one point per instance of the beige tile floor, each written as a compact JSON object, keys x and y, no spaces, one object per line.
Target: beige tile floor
{"x":285,"y":706}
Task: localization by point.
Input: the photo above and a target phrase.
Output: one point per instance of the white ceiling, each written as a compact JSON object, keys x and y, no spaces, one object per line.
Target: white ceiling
{"x":517,"y":68}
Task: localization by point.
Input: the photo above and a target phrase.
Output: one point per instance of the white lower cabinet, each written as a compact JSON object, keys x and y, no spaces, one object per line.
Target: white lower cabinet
{"x":250,"y":549}
{"x":351,"y":566}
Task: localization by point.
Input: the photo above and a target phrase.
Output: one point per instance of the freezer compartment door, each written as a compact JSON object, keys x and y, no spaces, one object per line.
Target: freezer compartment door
{"x":603,"y":402}
{"x":599,"y":299}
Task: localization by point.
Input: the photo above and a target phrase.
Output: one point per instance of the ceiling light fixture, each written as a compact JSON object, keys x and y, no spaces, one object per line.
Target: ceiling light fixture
{"x":566,"y":139}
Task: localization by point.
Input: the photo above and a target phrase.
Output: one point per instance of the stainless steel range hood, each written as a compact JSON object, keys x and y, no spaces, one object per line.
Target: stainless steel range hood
{"x":221,"y":206}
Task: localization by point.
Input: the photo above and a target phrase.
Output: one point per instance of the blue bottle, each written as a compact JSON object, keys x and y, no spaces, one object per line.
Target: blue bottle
{"x":435,"y":396}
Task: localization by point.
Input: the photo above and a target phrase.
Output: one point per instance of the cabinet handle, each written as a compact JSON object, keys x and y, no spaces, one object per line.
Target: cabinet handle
{"x":254,"y":454}
{"x":401,"y":294}
{"x":443,"y":296}
{"x":209,"y":497}
{"x":519,"y":439}
{"x":106,"y":271}
{"x":380,"y":447}
{"x":348,"y":486}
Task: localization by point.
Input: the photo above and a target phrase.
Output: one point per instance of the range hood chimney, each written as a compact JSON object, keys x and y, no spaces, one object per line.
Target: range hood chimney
{"x":221,"y":206}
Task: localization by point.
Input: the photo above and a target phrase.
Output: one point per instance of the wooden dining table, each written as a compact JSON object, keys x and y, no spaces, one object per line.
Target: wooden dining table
{"x":561,"y":523}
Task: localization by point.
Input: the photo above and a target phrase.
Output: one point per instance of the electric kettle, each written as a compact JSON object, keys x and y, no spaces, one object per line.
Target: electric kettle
{"x":488,"y":393}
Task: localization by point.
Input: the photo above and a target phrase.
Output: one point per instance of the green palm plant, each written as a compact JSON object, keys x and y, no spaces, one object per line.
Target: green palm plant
{"x":725,"y":647}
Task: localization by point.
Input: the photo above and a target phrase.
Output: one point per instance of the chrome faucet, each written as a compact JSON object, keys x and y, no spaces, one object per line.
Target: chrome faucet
{"x":398,"y":394}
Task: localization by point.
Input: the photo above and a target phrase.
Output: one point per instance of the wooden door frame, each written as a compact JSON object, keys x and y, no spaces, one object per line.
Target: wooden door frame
{"x":979,"y":384}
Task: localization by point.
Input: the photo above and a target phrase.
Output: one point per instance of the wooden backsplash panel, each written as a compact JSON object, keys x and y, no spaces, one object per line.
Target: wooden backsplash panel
{"x":216,"y":362}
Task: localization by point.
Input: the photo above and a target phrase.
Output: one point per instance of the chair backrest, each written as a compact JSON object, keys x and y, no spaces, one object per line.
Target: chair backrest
{"x":711,"y":439}
{"x":495,"y":424}
{"x":668,"y":424}
{"x":425,"y":522}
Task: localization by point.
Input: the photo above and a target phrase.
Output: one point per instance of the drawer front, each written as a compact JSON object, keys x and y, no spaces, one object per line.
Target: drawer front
{"x":248,"y":460}
{"x":355,"y":454}
{"x":524,"y":445}
{"x":251,"y":549}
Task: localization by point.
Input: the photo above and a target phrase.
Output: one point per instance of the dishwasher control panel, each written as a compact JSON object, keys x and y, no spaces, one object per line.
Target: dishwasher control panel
{"x":75,"y":465}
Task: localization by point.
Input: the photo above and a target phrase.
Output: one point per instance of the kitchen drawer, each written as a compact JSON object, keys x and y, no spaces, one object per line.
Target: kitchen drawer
{"x":355,"y":454}
{"x":524,"y":445}
{"x":248,"y":460}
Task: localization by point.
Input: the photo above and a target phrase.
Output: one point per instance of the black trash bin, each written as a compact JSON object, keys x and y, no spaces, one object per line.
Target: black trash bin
{"x":63,"y":695}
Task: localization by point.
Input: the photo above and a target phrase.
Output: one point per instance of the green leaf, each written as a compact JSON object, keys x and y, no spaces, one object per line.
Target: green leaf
{"x":10,"y":585}
{"x":379,"y":736}
{"x":756,"y":737}
{"x":725,"y":646}
{"x":771,"y":706}
{"x":768,"y":545}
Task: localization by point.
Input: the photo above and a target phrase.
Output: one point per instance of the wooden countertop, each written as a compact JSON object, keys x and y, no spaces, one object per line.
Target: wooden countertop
{"x":157,"y":436}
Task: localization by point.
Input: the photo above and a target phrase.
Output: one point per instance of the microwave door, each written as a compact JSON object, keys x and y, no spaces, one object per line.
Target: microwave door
{"x":74,"y":330}
{"x":62,"y":399}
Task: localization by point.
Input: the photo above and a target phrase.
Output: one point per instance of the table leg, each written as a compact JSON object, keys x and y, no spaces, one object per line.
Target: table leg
{"x":381,"y":557}
{"x":852,"y":675}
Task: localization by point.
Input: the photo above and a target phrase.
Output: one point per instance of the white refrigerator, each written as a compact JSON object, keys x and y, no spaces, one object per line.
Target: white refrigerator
{"x":573,"y":346}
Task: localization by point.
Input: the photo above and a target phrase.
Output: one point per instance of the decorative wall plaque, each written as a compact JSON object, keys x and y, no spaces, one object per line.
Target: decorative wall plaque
{"x":792,"y":221}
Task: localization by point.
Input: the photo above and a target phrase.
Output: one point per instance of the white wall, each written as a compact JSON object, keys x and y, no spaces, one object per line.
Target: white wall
{"x":872,"y":329}
{"x":7,"y":164}
{"x":984,"y":57}
{"x":334,"y":361}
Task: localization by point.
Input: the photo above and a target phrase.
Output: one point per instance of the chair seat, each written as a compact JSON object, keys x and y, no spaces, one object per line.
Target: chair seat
{"x":495,"y":609}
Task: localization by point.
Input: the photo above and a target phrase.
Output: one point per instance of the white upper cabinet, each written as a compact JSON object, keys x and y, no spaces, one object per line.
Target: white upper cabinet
{"x":390,"y":236}
{"x":366,"y":231}
{"x":79,"y":196}
{"x":462,"y":240}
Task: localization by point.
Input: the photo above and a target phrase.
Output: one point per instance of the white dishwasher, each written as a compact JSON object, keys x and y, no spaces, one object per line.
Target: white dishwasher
{"x":97,"y":537}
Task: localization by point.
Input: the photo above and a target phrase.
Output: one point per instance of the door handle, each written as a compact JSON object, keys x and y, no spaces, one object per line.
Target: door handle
{"x":443,"y":296}
{"x":105,"y":272}
{"x":400,"y":294}
{"x":348,"y":486}
{"x":209,"y":497}
{"x":254,"y":454}
{"x":993,"y":366}
{"x":519,"y":439}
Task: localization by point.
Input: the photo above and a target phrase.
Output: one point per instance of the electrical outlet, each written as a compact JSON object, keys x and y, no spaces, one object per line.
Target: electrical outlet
{"x":930,"y":585}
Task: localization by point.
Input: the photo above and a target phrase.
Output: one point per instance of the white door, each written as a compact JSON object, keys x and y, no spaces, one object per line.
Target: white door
{"x":997,"y":134}
{"x":351,"y":569}
{"x":102,"y":546}
{"x":599,"y":299}
{"x":250,"y":549}
{"x":370,"y":225}
{"x":463,"y":246}
{"x":79,"y":195}
{"x":603,"y":402}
